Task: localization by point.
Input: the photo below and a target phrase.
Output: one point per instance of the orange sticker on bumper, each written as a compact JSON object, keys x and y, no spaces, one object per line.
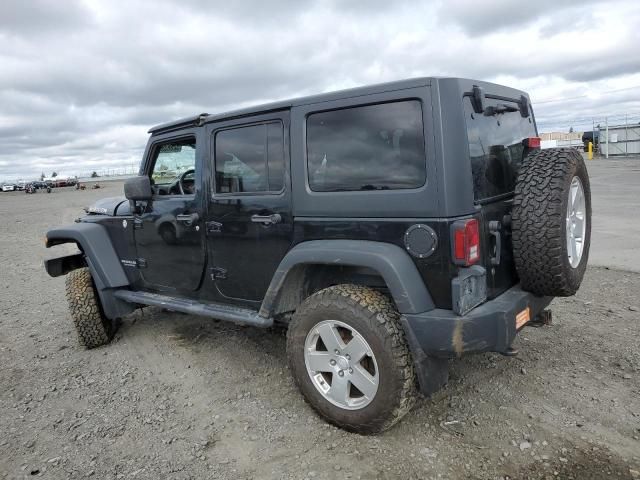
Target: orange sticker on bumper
{"x":522,"y":318}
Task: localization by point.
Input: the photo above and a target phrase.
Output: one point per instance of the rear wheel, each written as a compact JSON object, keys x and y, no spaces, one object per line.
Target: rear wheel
{"x":348,"y":355}
{"x":93,"y":328}
{"x":552,"y":222}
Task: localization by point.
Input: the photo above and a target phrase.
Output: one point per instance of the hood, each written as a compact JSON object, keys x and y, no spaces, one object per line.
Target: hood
{"x":107,"y":206}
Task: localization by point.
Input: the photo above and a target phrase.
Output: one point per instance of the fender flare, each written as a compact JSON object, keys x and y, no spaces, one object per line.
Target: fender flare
{"x":392,"y":263}
{"x":101,"y":258}
{"x":94,"y":242}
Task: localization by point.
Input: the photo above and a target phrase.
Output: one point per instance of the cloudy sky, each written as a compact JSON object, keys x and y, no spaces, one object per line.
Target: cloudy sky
{"x":81,"y":81}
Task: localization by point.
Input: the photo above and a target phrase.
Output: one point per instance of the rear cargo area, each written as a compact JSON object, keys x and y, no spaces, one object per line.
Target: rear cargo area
{"x":497,"y":135}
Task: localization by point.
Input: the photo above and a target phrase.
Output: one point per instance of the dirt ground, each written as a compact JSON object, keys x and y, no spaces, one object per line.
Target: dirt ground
{"x":182,"y":397}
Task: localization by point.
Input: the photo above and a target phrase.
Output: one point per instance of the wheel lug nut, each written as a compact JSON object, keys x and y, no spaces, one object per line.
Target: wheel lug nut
{"x":332,"y":362}
{"x":341,"y":373}
{"x":336,"y":351}
{"x":348,"y":357}
{"x":350,"y":370}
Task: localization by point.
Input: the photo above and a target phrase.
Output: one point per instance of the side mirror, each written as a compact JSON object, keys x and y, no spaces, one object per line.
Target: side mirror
{"x":138,"y":189}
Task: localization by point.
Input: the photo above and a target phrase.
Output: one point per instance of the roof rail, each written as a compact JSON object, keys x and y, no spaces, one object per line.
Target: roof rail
{"x":196,"y":121}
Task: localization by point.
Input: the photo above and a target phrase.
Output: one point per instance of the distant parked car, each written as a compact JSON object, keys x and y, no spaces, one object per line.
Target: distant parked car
{"x":8,"y":187}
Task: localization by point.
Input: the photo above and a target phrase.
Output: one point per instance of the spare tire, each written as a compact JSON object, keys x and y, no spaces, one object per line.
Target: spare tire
{"x":551,"y":222}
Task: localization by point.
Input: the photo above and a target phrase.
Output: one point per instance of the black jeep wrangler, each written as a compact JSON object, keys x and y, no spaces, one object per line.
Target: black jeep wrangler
{"x":390,"y":228}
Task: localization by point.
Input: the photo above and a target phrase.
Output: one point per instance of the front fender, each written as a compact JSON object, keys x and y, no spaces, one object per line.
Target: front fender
{"x":94,"y":242}
{"x":392,"y":263}
{"x":101,"y":258}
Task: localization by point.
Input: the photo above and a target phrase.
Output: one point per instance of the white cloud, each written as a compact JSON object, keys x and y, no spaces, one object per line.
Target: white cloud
{"x":82,"y":82}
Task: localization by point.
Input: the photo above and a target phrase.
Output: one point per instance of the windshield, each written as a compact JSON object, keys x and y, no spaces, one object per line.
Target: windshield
{"x":496,"y":146}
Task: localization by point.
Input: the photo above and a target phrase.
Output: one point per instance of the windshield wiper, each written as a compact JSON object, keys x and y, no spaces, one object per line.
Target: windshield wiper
{"x":501,"y":108}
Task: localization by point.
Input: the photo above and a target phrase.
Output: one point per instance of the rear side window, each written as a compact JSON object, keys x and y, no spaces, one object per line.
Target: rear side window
{"x":250,"y":159}
{"x":373,"y":147}
{"x":496,"y":146}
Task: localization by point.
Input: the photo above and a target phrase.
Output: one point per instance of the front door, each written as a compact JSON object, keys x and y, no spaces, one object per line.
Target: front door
{"x":249,"y":224}
{"x":168,"y":234}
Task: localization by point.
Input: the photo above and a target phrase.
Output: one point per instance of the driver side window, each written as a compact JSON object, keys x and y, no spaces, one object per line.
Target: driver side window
{"x":174,"y":167}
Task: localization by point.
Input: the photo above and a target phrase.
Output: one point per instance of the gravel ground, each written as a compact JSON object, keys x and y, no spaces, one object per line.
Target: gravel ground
{"x":616,"y":212}
{"x":181,"y":397}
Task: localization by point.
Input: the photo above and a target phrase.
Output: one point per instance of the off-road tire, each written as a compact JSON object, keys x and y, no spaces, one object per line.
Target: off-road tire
{"x":373,"y":315}
{"x":93,"y":328}
{"x":538,"y":222}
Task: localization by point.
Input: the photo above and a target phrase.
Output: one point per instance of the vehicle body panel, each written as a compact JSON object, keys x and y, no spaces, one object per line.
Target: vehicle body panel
{"x":163,"y":265}
{"x":408,"y":203}
{"x":245,"y":253}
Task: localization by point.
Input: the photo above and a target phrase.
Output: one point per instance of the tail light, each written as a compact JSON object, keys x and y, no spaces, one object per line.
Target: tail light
{"x":532,"y":142}
{"x":466,"y":242}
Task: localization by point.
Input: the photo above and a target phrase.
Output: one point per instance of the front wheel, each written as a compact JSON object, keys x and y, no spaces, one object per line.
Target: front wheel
{"x":348,"y":355}
{"x":93,"y":328}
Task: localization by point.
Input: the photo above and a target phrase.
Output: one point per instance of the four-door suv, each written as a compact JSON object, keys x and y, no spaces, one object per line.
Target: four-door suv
{"x":390,"y":228}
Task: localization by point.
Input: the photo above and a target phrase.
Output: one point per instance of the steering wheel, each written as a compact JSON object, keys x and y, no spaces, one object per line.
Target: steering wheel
{"x":182,"y":178}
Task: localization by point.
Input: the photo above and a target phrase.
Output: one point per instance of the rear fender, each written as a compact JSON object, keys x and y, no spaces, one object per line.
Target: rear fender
{"x":391,"y":262}
{"x":400,"y":275}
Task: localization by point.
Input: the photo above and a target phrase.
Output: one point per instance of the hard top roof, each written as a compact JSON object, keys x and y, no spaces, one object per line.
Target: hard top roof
{"x":323,"y":97}
{"x":283,"y":104}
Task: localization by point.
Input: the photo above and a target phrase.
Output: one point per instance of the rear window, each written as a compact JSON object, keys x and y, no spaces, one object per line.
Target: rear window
{"x":373,"y":147}
{"x":496,"y":146}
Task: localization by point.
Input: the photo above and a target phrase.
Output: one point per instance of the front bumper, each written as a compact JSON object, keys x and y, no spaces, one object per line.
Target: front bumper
{"x":491,"y":327}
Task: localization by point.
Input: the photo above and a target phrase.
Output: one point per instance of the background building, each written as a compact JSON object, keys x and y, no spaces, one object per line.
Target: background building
{"x":622,"y":140}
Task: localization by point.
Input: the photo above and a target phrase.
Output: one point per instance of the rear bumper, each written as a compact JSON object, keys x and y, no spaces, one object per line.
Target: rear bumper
{"x":491,"y":327}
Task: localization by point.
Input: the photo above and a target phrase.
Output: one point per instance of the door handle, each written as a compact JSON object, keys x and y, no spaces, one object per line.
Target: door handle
{"x":267,"y":219}
{"x":188,"y":218}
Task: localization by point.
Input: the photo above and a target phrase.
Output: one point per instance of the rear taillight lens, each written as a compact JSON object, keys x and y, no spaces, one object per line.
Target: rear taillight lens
{"x":466,"y":242}
{"x":532,"y":142}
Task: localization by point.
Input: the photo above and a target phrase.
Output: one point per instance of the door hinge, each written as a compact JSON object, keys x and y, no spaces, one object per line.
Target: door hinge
{"x":137,"y":223}
{"x":218,"y":273}
{"x":141,"y":263}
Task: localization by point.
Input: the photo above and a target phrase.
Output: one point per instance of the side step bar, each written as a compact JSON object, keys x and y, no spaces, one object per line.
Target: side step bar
{"x":242,"y":316}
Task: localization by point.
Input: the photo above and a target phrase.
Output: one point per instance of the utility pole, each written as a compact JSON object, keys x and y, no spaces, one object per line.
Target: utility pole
{"x":606,"y":123}
{"x":626,"y":135}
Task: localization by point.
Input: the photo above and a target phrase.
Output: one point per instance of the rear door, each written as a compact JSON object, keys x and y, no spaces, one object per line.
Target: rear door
{"x":497,"y":147}
{"x":249,"y":224}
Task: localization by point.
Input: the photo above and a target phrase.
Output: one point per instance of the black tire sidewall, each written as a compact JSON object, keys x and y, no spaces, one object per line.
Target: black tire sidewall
{"x":574,"y":275}
{"x":539,"y":230}
{"x":387,"y":397}
{"x":93,"y":327}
